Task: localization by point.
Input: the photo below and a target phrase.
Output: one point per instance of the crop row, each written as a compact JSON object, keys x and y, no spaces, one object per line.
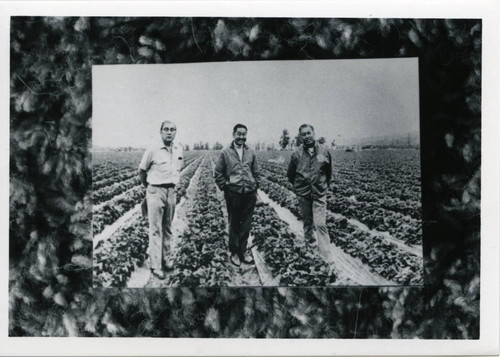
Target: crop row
{"x":118,"y":206}
{"x":114,"y":173}
{"x":404,"y":228}
{"x":120,"y":186}
{"x":187,"y":173}
{"x":276,"y":174}
{"x":201,"y":257}
{"x":351,"y":189}
{"x":106,"y":193}
{"x":115,"y":258}
{"x":383,"y":257}
{"x":372,"y":214}
{"x":289,"y":258}
{"x":369,"y":175}
{"x":107,"y":170}
{"x":110,"y":164}
{"x":116,"y":176}
{"x":115,"y":208}
{"x":393,"y":174}
{"x":380,"y":255}
{"x":382,"y":188}
{"x":281,"y":195}
{"x":401,"y":167}
{"x":407,"y":207}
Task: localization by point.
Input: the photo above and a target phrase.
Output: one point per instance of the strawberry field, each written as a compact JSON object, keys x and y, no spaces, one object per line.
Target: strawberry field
{"x":373,"y":220}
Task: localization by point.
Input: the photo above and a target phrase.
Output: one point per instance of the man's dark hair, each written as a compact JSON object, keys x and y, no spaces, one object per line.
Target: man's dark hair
{"x":239,"y":126}
{"x":305,"y":126}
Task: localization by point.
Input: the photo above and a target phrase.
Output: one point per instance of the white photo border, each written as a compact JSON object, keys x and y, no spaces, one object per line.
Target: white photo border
{"x":488,"y":11}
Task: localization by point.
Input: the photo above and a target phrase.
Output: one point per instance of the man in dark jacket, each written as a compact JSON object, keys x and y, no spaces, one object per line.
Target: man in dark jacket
{"x":237,"y":174}
{"x":310,"y":172}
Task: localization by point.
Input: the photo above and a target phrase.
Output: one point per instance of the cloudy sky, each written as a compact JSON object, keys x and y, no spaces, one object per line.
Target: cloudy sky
{"x":343,"y":99}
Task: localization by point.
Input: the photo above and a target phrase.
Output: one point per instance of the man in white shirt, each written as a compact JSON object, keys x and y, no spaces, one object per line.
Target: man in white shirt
{"x":159,"y":172}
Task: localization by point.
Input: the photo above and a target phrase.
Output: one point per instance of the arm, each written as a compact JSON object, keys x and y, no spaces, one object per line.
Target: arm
{"x":144,"y":167}
{"x":220,"y":172}
{"x":143,"y":176}
{"x":292,"y":167}
{"x":256,"y":170}
{"x":329,"y":169}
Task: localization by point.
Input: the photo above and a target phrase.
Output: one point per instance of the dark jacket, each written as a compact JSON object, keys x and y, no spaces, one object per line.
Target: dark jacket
{"x":237,"y":175}
{"x":310,"y":174}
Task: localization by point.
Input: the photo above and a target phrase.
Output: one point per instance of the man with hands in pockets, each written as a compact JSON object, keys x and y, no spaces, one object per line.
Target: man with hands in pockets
{"x":310,"y":172}
{"x":237,"y":174}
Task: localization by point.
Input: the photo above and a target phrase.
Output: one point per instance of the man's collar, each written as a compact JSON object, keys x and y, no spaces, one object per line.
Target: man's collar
{"x":172,"y":146}
{"x":315,"y":146}
{"x":242,"y":146}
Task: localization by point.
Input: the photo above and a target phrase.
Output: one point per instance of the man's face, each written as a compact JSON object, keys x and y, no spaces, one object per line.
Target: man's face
{"x":240,"y":136}
{"x":307,"y":135}
{"x":168,"y":132}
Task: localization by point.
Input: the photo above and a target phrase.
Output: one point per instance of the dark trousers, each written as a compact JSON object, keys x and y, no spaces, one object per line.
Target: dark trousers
{"x":240,"y":207}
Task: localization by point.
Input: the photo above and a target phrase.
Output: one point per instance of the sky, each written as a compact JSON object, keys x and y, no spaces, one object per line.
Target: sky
{"x":342,"y":99}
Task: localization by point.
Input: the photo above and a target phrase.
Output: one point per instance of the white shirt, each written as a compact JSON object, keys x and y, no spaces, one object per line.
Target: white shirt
{"x":239,"y":150}
{"x":163,"y":165}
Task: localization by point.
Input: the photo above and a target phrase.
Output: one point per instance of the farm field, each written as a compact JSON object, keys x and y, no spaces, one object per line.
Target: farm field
{"x":373,"y":219}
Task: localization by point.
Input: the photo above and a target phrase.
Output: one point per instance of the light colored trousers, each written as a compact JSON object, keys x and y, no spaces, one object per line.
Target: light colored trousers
{"x":314,"y":215}
{"x":161,"y":208}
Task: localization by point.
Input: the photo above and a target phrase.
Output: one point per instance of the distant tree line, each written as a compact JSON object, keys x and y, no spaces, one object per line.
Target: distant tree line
{"x":204,"y":146}
{"x":126,"y":149}
{"x":285,"y":142}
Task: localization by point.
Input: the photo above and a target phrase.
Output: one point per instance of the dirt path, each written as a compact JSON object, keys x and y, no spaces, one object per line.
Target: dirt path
{"x":120,"y":222}
{"x":350,"y":269}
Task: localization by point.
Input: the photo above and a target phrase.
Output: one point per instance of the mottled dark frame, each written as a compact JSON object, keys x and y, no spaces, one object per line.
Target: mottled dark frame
{"x":50,"y":218}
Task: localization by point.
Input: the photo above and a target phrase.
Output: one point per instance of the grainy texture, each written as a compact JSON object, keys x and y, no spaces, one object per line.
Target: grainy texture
{"x":50,"y":208}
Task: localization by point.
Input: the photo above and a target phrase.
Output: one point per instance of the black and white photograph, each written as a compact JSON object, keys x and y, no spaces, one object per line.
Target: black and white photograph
{"x":279,"y":173}
{"x":235,"y":180}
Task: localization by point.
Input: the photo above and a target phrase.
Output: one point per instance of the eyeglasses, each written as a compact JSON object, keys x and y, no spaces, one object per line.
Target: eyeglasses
{"x":169,"y":129}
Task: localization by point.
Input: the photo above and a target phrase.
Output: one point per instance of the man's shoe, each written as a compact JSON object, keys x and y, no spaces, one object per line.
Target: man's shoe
{"x":313,"y":244}
{"x":147,"y":261}
{"x":247,"y":259}
{"x":158,"y":273}
{"x":235,"y":260}
{"x":168,"y":266}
